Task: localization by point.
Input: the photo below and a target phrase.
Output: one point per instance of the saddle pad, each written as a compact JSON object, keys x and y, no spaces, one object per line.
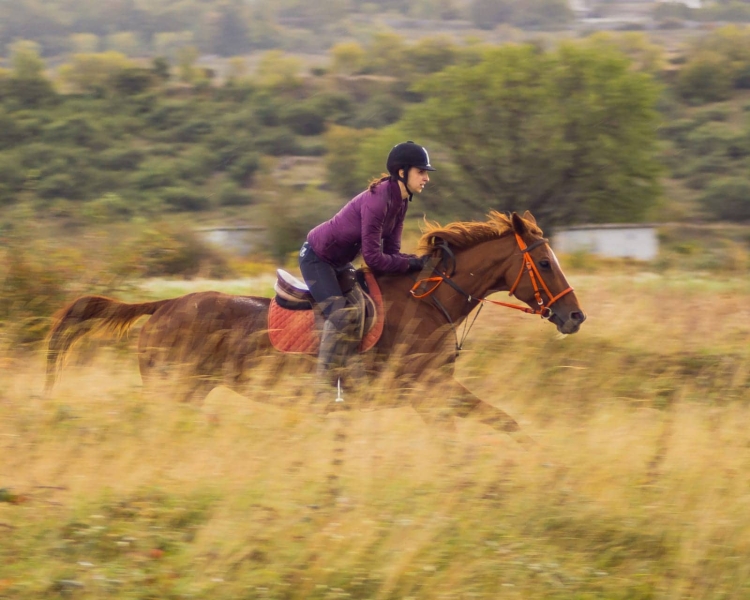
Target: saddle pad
{"x":294,"y":330}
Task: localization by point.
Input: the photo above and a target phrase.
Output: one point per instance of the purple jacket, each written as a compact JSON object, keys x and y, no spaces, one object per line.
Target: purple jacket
{"x":361,"y":225}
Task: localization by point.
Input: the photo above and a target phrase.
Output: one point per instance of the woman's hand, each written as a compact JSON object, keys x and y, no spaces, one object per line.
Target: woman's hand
{"x":417,"y":263}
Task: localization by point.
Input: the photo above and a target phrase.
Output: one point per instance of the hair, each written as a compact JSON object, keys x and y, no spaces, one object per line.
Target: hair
{"x":374,"y":182}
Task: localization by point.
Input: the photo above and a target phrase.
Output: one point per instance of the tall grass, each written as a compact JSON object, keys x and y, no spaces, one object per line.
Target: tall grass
{"x":640,"y":487}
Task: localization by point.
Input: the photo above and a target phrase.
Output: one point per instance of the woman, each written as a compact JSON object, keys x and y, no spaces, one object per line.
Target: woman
{"x":370,"y":223}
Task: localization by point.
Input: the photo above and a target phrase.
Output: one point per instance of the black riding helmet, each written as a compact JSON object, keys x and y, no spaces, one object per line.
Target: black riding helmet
{"x":405,"y":156}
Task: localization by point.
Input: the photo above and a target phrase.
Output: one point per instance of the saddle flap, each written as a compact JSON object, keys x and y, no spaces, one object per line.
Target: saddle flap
{"x":295,"y":330}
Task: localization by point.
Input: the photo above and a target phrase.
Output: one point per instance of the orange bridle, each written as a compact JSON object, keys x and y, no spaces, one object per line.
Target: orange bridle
{"x":528,"y":266}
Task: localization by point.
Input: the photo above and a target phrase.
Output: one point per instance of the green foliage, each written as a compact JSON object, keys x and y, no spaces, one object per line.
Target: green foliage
{"x":25,"y":60}
{"x":567,"y":134}
{"x":11,"y":177}
{"x":728,"y":199}
{"x":230,"y":194}
{"x":32,"y":287}
{"x":705,"y":78}
{"x":183,"y":199}
{"x":164,"y":249}
{"x":244,"y":168}
{"x":344,"y":158}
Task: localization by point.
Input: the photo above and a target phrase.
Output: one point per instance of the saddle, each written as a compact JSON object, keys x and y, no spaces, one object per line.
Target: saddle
{"x":294,"y":325}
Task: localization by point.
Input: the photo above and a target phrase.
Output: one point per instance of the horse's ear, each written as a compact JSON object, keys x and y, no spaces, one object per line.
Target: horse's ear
{"x":519,"y":225}
{"x":529,"y":217}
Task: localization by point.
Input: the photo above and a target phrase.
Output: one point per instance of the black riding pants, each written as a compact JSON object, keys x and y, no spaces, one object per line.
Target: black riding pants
{"x":322,"y":279}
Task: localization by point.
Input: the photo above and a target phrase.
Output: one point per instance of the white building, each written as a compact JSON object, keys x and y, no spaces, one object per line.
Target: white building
{"x":688,"y":3}
{"x":638,"y":241}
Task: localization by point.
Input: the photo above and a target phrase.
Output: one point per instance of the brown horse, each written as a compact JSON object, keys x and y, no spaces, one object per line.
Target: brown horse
{"x":213,"y":339}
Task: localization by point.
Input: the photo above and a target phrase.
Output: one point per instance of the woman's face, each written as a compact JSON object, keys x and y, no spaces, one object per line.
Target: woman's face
{"x":417,"y":179}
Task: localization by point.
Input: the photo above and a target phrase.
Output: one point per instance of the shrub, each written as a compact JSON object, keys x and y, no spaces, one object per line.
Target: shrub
{"x":30,"y":291}
{"x":184,"y":199}
{"x":155,"y":173}
{"x":164,"y":249}
{"x":707,"y":77}
{"x":277,"y":141}
{"x":230,"y":194}
{"x":678,"y":129}
{"x":728,"y":199}
{"x":58,"y":185}
{"x":11,"y":177}
{"x":244,"y":168}
{"x":120,"y":159}
{"x":110,"y":207}
{"x":192,"y":131}
{"x":304,"y":118}
{"x":713,"y":138}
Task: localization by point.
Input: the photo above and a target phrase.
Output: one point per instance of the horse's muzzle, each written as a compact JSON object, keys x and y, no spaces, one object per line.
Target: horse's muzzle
{"x":571,"y":324}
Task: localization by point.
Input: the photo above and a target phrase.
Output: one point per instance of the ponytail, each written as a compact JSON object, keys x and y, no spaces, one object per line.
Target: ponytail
{"x":378,"y":180}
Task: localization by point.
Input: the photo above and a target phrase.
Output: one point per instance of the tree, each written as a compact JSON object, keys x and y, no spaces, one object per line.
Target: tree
{"x":347,"y":58}
{"x":346,"y":173}
{"x":94,"y":73}
{"x":706,"y":77}
{"x":25,"y":60}
{"x":569,"y":134}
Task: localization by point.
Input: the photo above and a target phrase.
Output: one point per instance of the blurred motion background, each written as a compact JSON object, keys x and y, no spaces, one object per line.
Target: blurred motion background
{"x":151,"y":149}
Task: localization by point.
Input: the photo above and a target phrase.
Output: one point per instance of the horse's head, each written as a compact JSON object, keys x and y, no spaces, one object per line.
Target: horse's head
{"x":540,"y":282}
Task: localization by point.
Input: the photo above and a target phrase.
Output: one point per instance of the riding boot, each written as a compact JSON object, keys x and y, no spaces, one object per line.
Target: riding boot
{"x":328,"y":371}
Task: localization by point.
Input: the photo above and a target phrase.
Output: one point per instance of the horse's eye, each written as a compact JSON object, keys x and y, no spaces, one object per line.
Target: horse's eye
{"x":544,"y":263}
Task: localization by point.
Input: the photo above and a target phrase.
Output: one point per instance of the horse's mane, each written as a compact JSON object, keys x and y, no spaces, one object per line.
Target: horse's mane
{"x":466,"y":234}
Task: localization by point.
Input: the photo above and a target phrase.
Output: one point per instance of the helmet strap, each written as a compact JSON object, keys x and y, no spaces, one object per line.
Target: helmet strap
{"x":404,"y":180}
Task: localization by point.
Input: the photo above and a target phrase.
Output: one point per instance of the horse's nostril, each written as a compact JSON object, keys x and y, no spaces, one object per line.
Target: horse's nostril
{"x":578,"y":316}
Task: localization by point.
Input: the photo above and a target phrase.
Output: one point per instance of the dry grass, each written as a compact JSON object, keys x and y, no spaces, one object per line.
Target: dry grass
{"x":640,"y":489}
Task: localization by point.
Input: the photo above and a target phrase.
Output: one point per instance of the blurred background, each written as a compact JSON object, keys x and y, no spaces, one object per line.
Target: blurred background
{"x":150,"y":149}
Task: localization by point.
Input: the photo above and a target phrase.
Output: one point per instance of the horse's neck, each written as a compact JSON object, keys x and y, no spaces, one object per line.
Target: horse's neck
{"x":479,"y":271}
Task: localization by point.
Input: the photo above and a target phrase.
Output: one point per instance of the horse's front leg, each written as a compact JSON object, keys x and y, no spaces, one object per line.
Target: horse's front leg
{"x":466,"y":405}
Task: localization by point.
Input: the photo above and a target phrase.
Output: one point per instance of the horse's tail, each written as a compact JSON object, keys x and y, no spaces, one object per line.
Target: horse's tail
{"x":87,"y":314}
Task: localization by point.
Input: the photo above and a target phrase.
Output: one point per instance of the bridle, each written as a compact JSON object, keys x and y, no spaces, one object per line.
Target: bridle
{"x":529,"y":266}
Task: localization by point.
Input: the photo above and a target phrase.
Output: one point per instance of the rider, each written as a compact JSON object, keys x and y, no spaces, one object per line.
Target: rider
{"x":370,"y":223}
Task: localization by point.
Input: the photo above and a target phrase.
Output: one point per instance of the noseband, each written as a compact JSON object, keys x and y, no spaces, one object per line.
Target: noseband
{"x":528,"y":266}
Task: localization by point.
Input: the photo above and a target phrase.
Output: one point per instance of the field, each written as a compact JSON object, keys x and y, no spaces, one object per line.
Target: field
{"x":640,"y":486}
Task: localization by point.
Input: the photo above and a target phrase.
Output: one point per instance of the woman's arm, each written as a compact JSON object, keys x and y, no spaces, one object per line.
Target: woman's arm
{"x":373,"y":216}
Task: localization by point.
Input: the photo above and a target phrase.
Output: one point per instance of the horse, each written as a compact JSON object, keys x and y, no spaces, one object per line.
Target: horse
{"x":214,"y":339}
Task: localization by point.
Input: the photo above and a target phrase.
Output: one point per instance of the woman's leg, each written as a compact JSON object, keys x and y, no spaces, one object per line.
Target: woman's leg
{"x":322,"y":280}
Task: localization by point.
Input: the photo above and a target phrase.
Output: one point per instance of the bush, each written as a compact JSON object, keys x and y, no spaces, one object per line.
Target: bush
{"x":155,"y":173}
{"x":193,"y":131}
{"x":277,"y":141}
{"x":244,"y":168}
{"x":58,"y":185}
{"x":232,"y":195}
{"x":184,"y":199}
{"x":120,"y":159}
{"x":728,"y":199}
{"x":304,"y":118}
{"x":714,"y":138}
{"x":75,"y":131}
{"x":30,"y":291}
{"x":168,"y":115}
{"x":11,"y":177}
{"x":110,"y":207}
{"x":707,"y":77}
{"x":171,"y":250}
{"x":678,"y":130}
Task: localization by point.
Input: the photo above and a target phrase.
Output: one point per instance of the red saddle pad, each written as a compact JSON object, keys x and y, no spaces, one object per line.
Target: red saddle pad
{"x":294,"y":330}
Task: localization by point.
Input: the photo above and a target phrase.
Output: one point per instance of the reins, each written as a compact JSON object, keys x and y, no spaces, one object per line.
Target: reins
{"x":528,"y":266}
